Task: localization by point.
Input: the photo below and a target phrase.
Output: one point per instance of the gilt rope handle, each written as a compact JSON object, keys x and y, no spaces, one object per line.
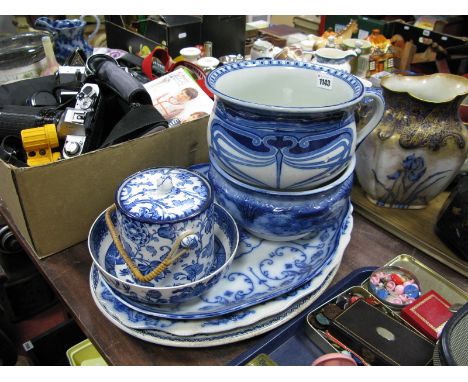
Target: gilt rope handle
{"x":170,"y":258}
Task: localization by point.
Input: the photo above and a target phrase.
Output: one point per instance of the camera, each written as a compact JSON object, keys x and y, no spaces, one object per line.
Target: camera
{"x":71,"y":127}
{"x":73,"y":146}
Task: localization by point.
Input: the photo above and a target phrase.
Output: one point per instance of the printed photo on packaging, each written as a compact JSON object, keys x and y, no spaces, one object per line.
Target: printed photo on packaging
{"x":178,"y":97}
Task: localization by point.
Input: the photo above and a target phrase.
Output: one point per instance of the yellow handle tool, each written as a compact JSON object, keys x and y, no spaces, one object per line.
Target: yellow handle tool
{"x":38,"y":143}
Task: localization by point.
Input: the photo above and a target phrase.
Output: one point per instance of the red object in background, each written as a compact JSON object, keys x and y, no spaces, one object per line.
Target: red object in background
{"x":428,"y":314}
{"x":162,"y":55}
{"x":397,"y":279}
{"x":169,"y":65}
{"x":322,"y":25}
{"x":464,"y":113}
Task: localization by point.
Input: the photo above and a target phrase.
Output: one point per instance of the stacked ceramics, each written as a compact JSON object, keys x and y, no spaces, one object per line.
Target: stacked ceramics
{"x":282,"y":137}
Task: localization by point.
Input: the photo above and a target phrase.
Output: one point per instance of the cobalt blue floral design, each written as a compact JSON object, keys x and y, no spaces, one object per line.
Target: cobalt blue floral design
{"x":282,"y":215}
{"x":69,"y":35}
{"x":154,"y":208}
{"x":134,"y":317}
{"x":261,"y":270}
{"x":136,"y":231}
{"x":163,"y":195}
{"x":408,"y":184}
{"x":116,"y":272}
{"x":210,"y":332}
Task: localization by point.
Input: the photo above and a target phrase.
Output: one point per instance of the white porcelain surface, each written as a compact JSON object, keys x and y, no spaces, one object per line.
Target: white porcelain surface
{"x":208,"y":63}
{"x":284,"y":87}
{"x":191,"y":54}
{"x":335,"y":58}
{"x":433,"y":88}
{"x":261,"y":49}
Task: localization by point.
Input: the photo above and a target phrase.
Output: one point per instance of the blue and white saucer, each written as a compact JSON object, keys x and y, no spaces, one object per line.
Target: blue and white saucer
{"x":134,"y":319}
{"x":215,"y":339}
{"x":234,"y":327}
{"x":261,"y":271}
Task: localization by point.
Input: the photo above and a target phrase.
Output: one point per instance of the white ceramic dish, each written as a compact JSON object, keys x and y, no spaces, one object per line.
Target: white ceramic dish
{"x":216,"y":339}
{"x":134,"y":319}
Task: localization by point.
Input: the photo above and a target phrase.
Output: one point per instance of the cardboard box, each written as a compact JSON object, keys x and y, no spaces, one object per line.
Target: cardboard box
{"x":54,"y":205}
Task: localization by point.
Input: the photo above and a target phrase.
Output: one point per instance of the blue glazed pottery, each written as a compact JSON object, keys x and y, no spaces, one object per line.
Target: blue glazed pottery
{"x":117,"y":275}
{"x":286,"y":124}
{"x":283,"y":215}
{"x":158,"y":207}
{"x":69,"y":35}
{"x":261,"y":270}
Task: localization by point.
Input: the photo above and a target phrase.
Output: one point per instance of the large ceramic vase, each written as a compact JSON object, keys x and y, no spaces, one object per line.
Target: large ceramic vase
{"x":420,"y":144}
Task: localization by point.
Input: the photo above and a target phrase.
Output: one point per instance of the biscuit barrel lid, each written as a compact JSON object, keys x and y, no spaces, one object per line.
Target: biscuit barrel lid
{"x":163,"y":195}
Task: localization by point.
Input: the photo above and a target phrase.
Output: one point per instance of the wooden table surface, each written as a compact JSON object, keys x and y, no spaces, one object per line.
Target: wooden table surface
{"x":68,"y":274}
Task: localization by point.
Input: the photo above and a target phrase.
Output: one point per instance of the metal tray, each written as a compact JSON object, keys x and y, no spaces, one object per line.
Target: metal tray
{"x":430,"y":279}
{"x":296,"y":343}
{"x":289,"y":344}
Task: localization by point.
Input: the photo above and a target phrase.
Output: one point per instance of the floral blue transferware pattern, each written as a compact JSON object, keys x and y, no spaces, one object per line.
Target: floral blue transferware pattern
{"x":163,"y":195}
{"x":261,"y":270}
{"x":216,"y":338}
{"x":154,"y":208}
{"x":68,"y":35}
{"x":133,"y":318}
{"x":281,"y":215}
{"x":408,"y":184}
{"x":116,"y":273}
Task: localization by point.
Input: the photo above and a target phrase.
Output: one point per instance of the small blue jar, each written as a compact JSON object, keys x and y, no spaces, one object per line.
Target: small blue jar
{"x":157,"y":206}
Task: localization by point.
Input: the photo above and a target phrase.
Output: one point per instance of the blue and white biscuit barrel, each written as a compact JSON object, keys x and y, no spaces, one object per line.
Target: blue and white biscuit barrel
{"x":157,"y":206}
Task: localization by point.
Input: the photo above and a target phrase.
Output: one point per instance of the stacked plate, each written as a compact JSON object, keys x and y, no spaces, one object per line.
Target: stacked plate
{"x":266,"y":284}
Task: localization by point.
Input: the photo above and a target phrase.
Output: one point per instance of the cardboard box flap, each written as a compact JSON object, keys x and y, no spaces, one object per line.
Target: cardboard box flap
{"x":10,"y":199}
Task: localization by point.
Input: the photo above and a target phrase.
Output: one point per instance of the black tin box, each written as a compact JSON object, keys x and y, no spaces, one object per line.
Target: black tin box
{"x":380,"y":339}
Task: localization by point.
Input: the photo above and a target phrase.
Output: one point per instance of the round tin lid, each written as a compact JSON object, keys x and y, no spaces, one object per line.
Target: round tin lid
{"x":163,"y":195}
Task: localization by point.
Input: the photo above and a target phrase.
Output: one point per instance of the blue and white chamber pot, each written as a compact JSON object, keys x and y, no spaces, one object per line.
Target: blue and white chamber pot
{"x":286,"y":125}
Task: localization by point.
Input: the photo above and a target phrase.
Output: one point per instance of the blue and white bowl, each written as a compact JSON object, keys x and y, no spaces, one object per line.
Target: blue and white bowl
{"x":117,"y":275}
{"x":286,"y":125}
{"x":282,"y":215}
{"x":157,"y":206}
